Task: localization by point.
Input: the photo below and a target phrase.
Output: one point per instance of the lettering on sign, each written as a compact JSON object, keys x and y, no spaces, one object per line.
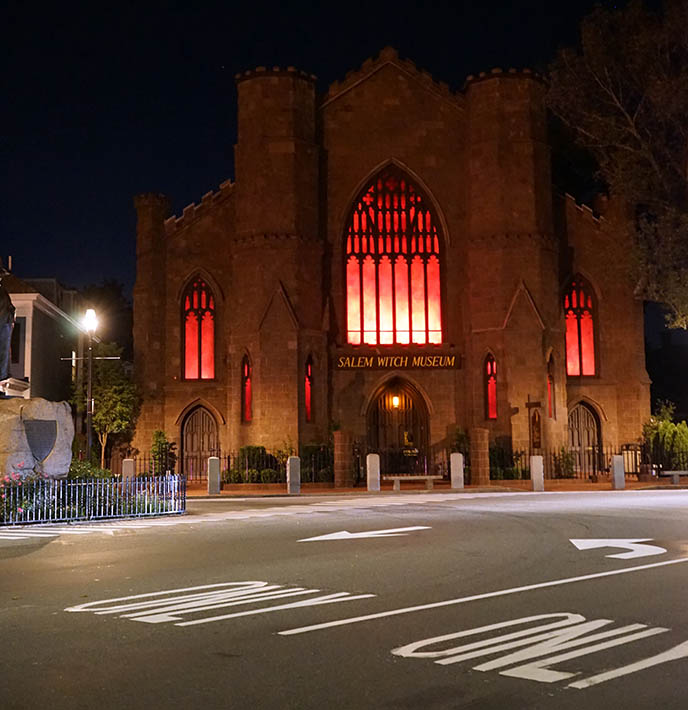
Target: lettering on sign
{"x":396,"y":362}
{"x":177,"y":605}
{"x":529,"y":647}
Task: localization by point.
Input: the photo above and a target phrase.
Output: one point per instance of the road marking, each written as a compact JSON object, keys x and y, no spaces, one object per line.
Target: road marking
{"x":569,"y":631}
{"x":172,"y":604}
{"x":636,"y":547}
{"x":346,"y":535}
{"x":476,"y":597}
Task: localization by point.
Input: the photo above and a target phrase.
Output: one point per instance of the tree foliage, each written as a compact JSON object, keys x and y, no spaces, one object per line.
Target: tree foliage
{"x":624,"y":94}
{"x":114,"y":394}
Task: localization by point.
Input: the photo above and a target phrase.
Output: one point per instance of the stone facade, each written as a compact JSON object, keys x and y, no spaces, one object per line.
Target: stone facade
{"x":271,"y":247}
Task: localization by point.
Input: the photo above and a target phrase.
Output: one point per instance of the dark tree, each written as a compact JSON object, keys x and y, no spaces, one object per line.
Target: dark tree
{"x":624,"y":94}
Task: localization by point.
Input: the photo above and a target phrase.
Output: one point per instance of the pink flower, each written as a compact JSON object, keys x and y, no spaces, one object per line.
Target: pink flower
{"x":20,"y":510}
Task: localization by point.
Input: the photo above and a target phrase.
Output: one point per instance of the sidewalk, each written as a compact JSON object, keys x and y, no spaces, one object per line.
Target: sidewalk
{"x":200,"y":489}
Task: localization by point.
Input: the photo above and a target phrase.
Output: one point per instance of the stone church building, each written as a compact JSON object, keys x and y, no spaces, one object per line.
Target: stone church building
{"x":393,"y":261}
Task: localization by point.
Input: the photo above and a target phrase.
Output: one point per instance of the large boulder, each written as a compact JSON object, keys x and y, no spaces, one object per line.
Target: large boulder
{"x":35,"y":434}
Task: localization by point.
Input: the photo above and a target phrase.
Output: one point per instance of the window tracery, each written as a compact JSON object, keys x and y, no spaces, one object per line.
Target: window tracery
{"x":579,"y":312}
{"x":198,"y":316}
{"x":393,"y":257}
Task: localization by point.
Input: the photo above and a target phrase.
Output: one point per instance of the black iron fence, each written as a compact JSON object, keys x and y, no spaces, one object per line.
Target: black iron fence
{"x":63,"y":500}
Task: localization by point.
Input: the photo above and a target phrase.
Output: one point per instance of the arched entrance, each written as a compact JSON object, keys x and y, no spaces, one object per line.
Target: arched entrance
{"x":199,"y":441}
{"x":585,"y":439}
{"x":397,"y":423}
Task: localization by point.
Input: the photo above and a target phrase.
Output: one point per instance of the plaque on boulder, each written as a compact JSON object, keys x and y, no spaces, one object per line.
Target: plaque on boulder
{"x":41,"y":435}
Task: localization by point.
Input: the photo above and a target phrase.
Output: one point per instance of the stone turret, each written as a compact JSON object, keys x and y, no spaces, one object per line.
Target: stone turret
{"x":150,"y":295}
{"x":512,"y":251}
{"x":277,"y":263}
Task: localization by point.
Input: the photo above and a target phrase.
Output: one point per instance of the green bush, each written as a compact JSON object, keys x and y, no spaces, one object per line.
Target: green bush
{"x":564,"y":463}
{"x":86,"y":469}
{"x":269,"y":475}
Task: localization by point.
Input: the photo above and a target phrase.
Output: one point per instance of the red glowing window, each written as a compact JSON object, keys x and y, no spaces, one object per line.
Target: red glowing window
{"x":308,"y":388}
{"x":246,"y":391}
{"x":579,"y":312}
{"x":490,"y":372}
{"x":198,"y":320}
{"x":393,"y":258}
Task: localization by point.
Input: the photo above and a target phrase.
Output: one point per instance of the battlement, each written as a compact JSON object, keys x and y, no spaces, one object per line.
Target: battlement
{"x":274,"y":71}
{"x":585,"y":211}
{"x":498,"y":72}
{"x":389,"y":55}
{"x":193,"y":211}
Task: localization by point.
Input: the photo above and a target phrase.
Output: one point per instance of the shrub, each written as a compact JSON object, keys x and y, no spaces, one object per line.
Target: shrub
{"x":564,"y":463}
{"x":269,"y":475}
{"x":86,"y":469}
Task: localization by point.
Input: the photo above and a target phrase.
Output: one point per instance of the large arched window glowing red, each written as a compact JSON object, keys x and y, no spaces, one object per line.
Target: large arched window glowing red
{"x":198,"y":315}
{"x":579,"y":311}
{"x":490,"y":373}
{"x":246,"y":390}
{"x":308,"y":388}
{"x":393,"y":256}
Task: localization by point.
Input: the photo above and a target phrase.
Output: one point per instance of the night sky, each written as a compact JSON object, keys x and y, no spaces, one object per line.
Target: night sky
{"x":107,"y":100}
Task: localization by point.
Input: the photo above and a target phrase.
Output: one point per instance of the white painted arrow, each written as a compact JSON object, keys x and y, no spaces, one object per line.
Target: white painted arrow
{"x":346,"y":535}
{"x":635,"y":547}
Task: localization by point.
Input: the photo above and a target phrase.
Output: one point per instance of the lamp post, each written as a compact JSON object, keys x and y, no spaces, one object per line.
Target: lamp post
{"x":90,"y":325}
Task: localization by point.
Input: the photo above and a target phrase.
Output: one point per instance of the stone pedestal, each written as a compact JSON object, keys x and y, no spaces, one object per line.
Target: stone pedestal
{"x":35,"y":434}
{"x":214,"y":476}
{"x":618,"y":473}
{"x":480,"y":457}
{"x":537,"y":473}
{"x":293,"y":475}
{"x":343,"y":459}
{"x":12,"y":387}
{"x":456,"y":468}
{"x":373,"y":472}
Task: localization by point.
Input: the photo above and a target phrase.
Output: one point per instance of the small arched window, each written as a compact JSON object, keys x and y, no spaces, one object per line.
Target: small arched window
{"x":551,"y":403}
{"x":308,"y":388}
{"x":246,"y":390}
{"x":490,"y":377}
{"x":393,"y":255}
{"x":198,"y":319}
{"x":579,"y":311}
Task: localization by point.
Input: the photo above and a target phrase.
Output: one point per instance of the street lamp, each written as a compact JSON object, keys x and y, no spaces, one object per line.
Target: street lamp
{"x":90,"y":324}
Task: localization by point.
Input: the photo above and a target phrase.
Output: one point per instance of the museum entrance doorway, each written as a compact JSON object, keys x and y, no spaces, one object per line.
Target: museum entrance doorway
{"x":397,"y":423}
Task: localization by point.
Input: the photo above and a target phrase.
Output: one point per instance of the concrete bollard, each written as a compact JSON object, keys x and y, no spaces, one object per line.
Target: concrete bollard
{"x":618,"y":473}
{"x":128,"y":468}
{"x":537,"y":473}
{"x":293,"y":475}
{"x":373,"y":471}
{"x":456,"y":470}
{"x":213,"y":476}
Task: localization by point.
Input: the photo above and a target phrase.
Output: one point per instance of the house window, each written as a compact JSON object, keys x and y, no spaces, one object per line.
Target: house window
{"x":579,"y":311}
{"x":490,"y":373}
{"x":308,"y":388}
{"x":198,"y":314}
{"x":393,"y":256}
{"x":246,"y":390}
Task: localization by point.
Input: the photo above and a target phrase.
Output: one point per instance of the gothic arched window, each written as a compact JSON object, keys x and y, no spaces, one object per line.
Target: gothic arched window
{"x":246,"y":390}
{"x":393,"y":255}
{"x":308,"y":388}
{"x":579,"y":311}
{"x":198,"y":317}
{"x":490,"y":375}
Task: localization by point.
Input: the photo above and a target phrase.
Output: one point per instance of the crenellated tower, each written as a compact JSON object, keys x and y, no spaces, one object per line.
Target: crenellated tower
{"x":514,"y":285}
{"x":150,"y":294}
{"x":277,"y":267}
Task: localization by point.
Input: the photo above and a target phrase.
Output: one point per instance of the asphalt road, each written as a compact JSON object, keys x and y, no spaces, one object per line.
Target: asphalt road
{"x":473,"y":601}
